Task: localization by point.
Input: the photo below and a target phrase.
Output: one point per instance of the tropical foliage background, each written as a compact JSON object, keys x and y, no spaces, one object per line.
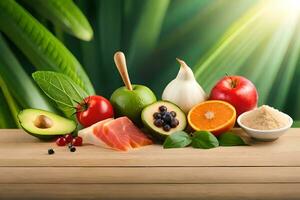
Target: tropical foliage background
{"x":258,"y":39}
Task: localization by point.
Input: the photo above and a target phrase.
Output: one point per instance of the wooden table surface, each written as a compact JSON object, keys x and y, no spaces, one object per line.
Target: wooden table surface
{"x":259,"y":171}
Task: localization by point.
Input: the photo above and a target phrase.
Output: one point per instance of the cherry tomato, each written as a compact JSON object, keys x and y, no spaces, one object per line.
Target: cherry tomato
{"x":68,"y":138}
{"x":93,"y":109}
{"x":77,"y":141}
{"x":61,"y":141}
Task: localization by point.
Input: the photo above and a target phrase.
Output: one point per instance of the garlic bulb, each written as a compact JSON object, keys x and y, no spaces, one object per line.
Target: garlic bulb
{"x":184,"y":90}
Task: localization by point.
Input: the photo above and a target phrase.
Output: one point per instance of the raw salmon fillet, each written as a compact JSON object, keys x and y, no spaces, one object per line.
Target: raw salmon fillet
{"x":89,"y":137}
{"x":120,"y":134}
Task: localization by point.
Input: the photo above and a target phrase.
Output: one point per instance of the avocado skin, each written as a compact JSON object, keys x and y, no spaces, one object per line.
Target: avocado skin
{"x":156,"y":136}
{"x":45,"y":137}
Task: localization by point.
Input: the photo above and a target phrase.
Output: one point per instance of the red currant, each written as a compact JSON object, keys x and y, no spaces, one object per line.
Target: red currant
{"x":77,"y":141}
{"x":61,"y":141}
{"x":69,"y":138}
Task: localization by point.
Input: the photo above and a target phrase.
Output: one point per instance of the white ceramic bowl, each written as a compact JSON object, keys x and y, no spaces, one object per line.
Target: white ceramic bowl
{"x":264,"y":135}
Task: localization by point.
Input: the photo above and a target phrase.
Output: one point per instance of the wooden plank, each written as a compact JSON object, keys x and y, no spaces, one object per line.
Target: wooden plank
{"x":151,"y":191}
{"x":19,"y":149}
{"x":94,"y":175}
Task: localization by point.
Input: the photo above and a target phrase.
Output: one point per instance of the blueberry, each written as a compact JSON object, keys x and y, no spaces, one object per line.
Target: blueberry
{"x":173,"y":113}
{"x":174,"y":123}
{"x":50,"y":151}
{"x":159,"y":122}
{"x":162,"y":108}
{"x":157,"y":115}
{"x":167,"y":118}
{"x":166,"y":127}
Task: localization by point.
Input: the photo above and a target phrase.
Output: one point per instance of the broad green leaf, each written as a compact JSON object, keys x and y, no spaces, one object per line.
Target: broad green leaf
{"x":89,"y":52}
{"x":6,"y":118}
{"x":230,"y":139}
{"x":13,"y":106}
{"x":178,"y":15}
{"x":110,"y":17}
{"x":177,"y":140}
{"x":64,"y":14}
{"x":204,"y":140}
{"x":147,"y":31}
{"x":39,"y":45}
{"x":61,"y":89}
{"x":18,"y":82}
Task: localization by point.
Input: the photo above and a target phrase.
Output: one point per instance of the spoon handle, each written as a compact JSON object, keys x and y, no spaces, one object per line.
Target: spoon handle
{"x":120,"y":62}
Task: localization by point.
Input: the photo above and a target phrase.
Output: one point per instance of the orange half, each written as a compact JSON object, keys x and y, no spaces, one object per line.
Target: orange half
{"x":214,"y":116}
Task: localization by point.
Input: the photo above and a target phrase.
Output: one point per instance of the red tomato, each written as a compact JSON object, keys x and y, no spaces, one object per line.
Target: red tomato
{"x":93,"y":109}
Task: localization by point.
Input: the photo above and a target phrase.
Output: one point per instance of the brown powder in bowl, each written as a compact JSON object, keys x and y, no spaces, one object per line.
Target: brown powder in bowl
{"x":265,"y":118}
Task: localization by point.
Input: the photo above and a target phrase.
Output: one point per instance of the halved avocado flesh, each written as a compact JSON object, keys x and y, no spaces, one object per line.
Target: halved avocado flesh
{"x":45,"y":125}
{"x":158,"y":132}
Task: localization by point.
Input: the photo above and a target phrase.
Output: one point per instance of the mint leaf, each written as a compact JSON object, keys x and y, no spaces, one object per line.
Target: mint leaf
{"x":61,"y":89}
{"x":204,"y":140}
{"x":230,"y":139}
{"x":177,"y":140}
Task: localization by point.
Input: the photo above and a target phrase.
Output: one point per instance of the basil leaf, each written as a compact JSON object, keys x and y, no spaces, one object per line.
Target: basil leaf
{"x":204,"y":140}
{"x":230,"y":139}
{"x":61,"y":89}
{"x":177,"y":140}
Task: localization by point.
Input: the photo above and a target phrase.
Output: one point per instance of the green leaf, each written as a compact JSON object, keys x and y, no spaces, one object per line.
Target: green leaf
{"x":13,"y":106}
{"x":6,"y":118}
{"x":177,"y":140}
{"x":230,"y":139}
{"x":61,"y":89}
{"x":147,"y":31}
{"x":64,"y":14}
{"x":25,"y":92}
{"x":110,"y":16}
{"x":204,"y":140}
{"x":43,"y":49}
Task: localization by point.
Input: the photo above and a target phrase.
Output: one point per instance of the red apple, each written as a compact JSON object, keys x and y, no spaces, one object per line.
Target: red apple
{"x":236,"y":90}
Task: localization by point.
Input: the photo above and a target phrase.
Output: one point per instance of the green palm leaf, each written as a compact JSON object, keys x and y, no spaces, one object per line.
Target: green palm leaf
{"x":6,"y":118}
{"x":64,"y":14}
{"x":12,"y":105}
{"x":110,"y":17}
{"x":147,"y":31}
{"x":18,"y":82}
{"x":39,"y":45}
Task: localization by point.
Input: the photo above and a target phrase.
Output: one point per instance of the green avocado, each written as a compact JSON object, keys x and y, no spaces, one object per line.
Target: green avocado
{"x":45,"y":125}
{"x":159,"y":133}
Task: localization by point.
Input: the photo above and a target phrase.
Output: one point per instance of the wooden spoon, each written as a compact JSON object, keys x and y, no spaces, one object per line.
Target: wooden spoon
{"x":120,"y":62}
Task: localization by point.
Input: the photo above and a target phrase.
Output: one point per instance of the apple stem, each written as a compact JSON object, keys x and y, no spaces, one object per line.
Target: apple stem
{"x":120,"y":62}
{"x":233,"y":83}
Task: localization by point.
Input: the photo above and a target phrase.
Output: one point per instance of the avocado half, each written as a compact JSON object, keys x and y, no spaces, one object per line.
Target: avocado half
{"x":157,"y":132}
{"x":45,"y":125}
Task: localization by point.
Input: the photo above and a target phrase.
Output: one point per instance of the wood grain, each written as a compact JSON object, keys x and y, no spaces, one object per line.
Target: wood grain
{"x":178,"y":175}
{"x":151,"y":191}
{"x":259,"y":171}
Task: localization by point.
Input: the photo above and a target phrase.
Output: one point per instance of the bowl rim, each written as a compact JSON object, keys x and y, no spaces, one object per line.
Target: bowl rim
{"x":264,"y":131}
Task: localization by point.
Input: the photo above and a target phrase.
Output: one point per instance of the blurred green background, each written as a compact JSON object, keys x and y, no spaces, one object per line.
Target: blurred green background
{"x":259,"y":39}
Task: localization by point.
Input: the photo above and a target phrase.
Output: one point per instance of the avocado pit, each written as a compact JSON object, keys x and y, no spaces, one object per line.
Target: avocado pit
{"x":43,"y":122}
